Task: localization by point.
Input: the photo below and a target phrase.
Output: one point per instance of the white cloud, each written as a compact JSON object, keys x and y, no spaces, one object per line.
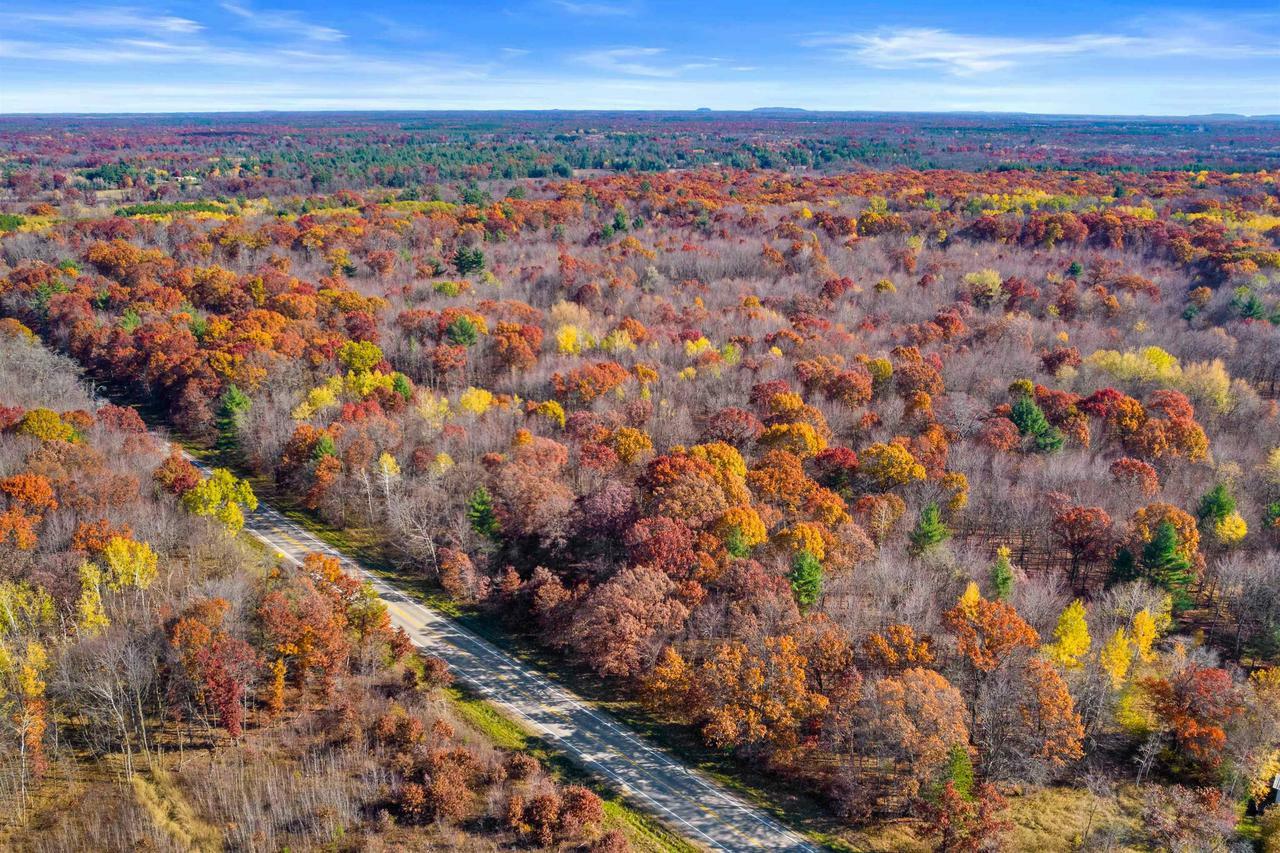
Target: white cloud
{"x":960,"y":54}
{"x":289,"y":23}
{"x":631,"y":60}
{"x":110,"y":19}
{"x":116,"y":58}
{"x":129,"y":55}
{"x":627,"y":60}
{"x":599,"y":10}
{"x":966,"y":55}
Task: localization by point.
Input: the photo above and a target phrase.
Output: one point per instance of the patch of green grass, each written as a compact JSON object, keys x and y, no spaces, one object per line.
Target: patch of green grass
{"x":487,"y":720}
{"x":645,"y":832}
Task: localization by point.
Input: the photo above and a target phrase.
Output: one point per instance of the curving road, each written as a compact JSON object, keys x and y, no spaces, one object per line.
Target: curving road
{"x":688,"y":802}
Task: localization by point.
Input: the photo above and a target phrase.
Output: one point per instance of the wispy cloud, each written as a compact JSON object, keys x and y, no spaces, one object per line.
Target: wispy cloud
{"x":599,"y":10}
{"x":627,"y":60}
{"x":326,"y":63}
{"x":633,"y":61}
{"x":288,"y":23}
{"x":106,"y":19}
{"x":401,"y":30}
{"x":966,"y":55}
{"x":910,"y":47}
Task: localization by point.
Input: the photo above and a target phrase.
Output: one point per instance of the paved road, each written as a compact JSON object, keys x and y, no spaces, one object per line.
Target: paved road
{"x":688,"y":802}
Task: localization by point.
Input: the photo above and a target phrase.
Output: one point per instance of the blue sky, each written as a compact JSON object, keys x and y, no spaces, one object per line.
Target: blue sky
{"x":1066,"y":57}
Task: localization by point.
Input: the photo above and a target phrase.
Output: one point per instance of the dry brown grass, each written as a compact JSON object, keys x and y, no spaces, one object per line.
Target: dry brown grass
{"x":1057,"y":818}
{"x":167,"y":806}
{"x":1046,"y":820}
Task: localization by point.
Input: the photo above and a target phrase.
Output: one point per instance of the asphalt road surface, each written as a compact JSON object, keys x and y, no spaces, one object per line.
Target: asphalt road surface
{"x":692,"y":805}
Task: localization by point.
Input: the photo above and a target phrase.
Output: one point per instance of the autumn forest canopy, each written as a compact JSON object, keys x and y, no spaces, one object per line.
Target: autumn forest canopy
{"x":919,"y":472}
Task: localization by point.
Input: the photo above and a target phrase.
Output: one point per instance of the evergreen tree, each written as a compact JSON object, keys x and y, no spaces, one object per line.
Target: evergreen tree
{"x":232,"y":407}
{"x":324,"y":447}
{"x":467,"y":261}
{"x":958,"y":771}
{"x":1049,"y":441}
{"x":929,"y":531}
{"x":480,"y":514}
{"x":1028,"y":417}
{"x":463,"y":332}
{"x":1216,"y":505}
{"x":400,"y":384}
{"x":1166,"y":566}
{"x":1124,"y":567}
{"x":1002,"y":574}
{"x":806,"y":578}
{"x":1032,"y":424}
{"x":1272,"y":515}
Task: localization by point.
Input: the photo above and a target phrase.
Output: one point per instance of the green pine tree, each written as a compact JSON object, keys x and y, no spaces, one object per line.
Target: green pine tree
{"x":1049,"y":441}
{"x":1031,"y":422}
{"x":480,"y":514}
{"x":1166,"y":566}
{"x":1216,"y":505}
{"x":960,"y":770}
{"x":232,"y":407}
{"x":806,"y":578}
{"x":401,"y":385}
{"x":930,"y":531}
{"x":324,"y":447}
{"x":1124,"y":567}
{"x":1002,"y":575}
{"x":463,"y":332}
{"x":1028,"y":417}
{"x":467,"y":261}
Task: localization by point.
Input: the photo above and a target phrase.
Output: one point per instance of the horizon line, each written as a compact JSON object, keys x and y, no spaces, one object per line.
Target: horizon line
{"x":776,"y":111}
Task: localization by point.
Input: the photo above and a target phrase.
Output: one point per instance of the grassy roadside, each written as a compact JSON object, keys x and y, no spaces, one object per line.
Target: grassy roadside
{"x":645,"y":832}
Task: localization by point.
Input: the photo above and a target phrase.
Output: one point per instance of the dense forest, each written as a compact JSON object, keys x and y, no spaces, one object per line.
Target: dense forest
{"x":928,"y":464}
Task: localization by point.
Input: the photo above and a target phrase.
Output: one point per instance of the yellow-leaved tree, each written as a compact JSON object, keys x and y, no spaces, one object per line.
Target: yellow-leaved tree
{"x":223,"y":496}
{"x":129,"y":564}
{"x":1116,"y":657}
{"x":1144,"y":634}
{"x":1071,"y":638}
{"x":91,"y":618}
